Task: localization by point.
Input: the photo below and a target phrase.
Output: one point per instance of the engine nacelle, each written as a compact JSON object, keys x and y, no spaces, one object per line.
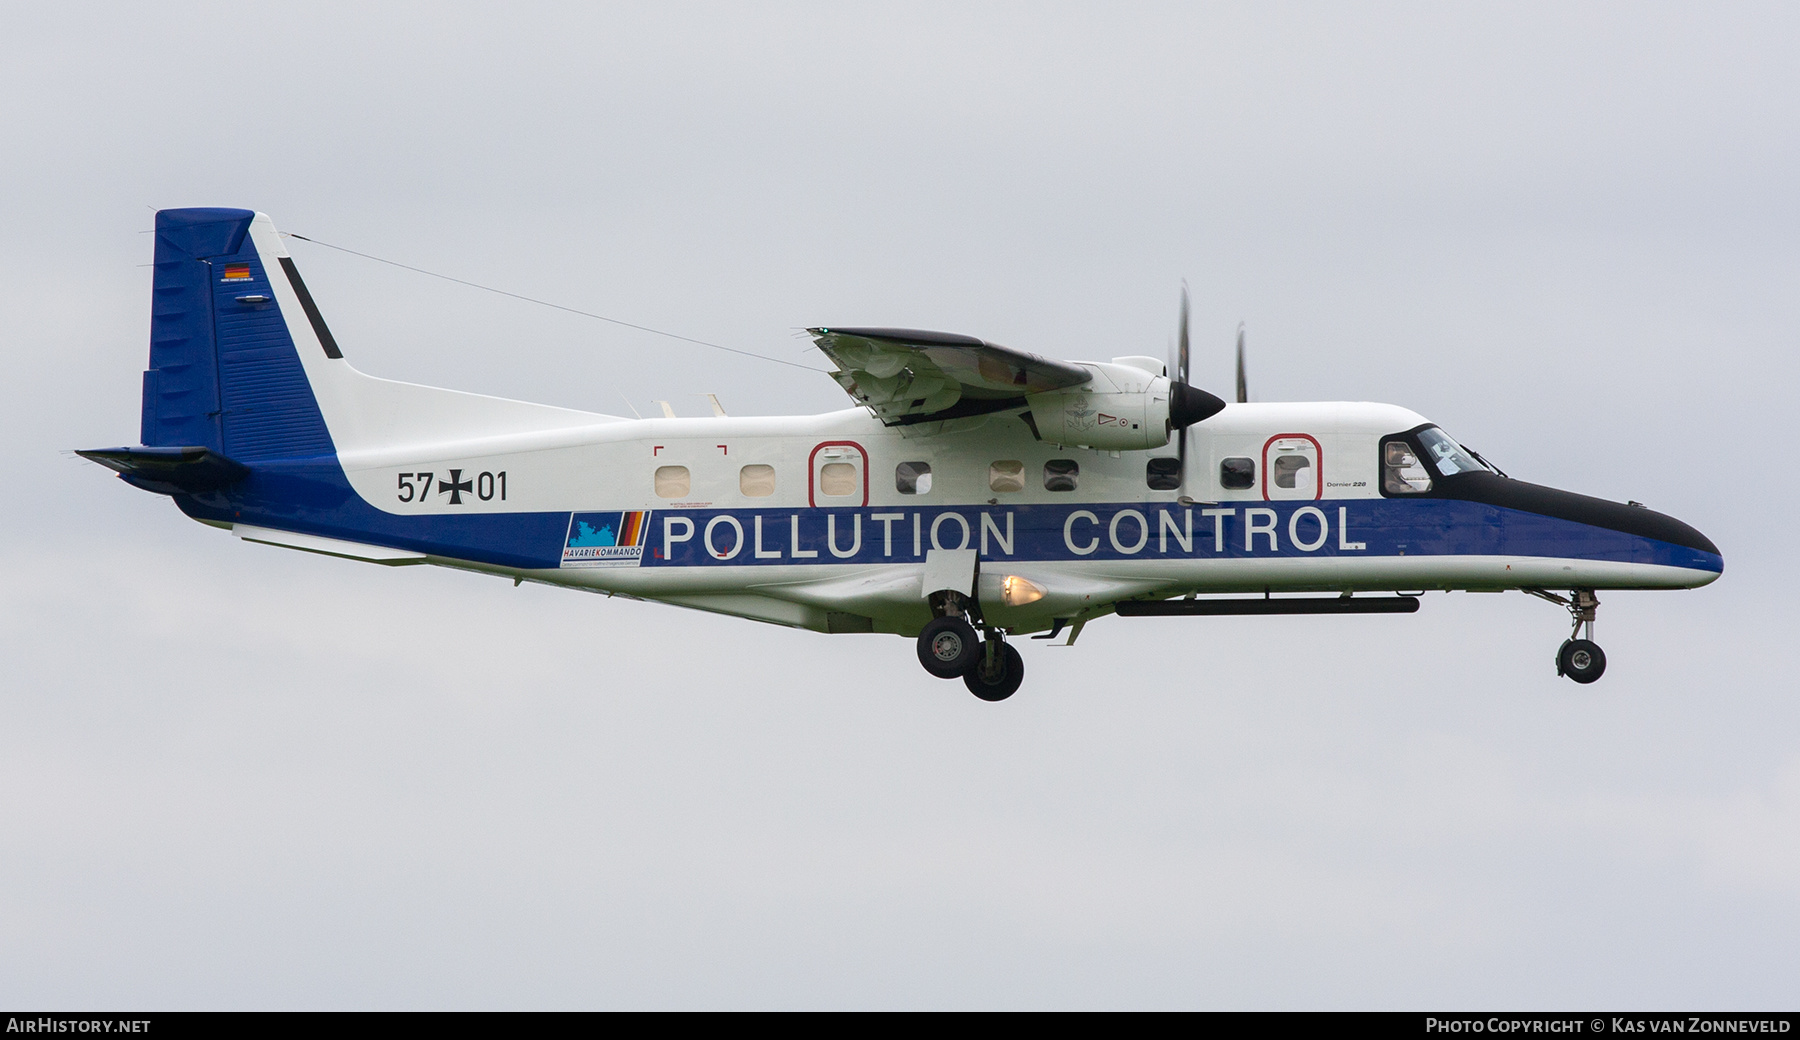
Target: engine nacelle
{"x":1123,"y":408}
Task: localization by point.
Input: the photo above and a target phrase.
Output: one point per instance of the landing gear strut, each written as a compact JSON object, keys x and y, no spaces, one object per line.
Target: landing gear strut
{"x":949,"y":648}
{"x":1580,"y":659}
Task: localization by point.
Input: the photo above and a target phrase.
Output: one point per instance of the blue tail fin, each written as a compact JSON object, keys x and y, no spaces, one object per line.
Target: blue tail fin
{"x":223,"y":370}
{"x":241,"y":363}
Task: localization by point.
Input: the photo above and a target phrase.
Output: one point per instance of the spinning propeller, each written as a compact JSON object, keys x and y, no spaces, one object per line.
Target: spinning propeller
{"x":1189,"y":404}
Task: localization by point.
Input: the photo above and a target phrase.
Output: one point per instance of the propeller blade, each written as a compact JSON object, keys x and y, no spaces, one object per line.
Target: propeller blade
{"x":1181,"y":367}
{"x":1187,"y":404}
{"x":1181,"y":460}
{"x":1181,"y":376}
{"x":1243,"y":386}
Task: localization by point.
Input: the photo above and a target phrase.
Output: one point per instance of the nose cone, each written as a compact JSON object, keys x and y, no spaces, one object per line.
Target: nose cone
{"x":1693,"y":549}
{"x":1686,"y":546}
{"x":1693,"y":539}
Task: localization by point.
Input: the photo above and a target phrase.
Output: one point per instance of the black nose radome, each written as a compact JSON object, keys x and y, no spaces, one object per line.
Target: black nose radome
{"x":1584,"y":509}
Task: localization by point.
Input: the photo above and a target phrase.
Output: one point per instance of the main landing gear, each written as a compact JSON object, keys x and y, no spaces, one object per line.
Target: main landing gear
{"x":1579,"y":659}
{"x":948,"y":648}
{"x":998,"y":670}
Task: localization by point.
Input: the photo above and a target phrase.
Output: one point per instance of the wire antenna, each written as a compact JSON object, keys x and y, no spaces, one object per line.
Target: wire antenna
{"x":556,"y":306}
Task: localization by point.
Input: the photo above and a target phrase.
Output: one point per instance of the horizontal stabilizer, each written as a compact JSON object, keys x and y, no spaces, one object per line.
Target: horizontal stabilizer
{"x":170,"y":471}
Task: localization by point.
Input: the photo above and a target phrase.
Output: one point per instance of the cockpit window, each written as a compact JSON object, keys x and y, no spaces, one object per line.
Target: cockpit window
{"x":1401,"y":471}
{"x":1448,"y":456}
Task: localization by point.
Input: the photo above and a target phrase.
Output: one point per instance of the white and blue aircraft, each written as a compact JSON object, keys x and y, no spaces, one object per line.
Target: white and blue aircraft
{"x":971,"y":494}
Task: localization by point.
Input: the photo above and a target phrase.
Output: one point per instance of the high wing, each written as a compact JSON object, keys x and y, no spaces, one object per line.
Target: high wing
{"x":908,"y":376}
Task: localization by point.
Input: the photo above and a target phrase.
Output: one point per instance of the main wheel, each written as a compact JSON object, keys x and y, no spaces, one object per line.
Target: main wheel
{"x":948,"y":647}
{"x":1581,"y":660}
{"x":1002,"y":681}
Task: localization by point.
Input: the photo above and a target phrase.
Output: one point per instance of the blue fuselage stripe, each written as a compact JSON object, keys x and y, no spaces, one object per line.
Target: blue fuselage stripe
{"x":312,"y":496}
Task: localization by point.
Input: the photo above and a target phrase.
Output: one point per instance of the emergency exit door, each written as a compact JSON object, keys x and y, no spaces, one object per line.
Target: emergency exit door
{"x":839,"y":475}
{"x":1293,"y":467}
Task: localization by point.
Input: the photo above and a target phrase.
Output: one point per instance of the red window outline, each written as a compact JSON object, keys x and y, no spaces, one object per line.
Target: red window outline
{"x":1319,"y":464}
{"x":811,"y":474}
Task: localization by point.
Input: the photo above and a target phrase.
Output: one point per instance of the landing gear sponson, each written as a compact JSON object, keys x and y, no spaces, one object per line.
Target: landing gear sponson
{"x":948,"y":645}
{"x":1580,"y":659}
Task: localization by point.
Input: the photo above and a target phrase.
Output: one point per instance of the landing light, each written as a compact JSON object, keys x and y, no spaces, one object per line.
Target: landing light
{"x":1016,"y":591}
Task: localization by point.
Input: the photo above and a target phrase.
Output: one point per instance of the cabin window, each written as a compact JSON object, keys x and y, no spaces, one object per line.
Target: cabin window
{"x":1401,"y":471}
{"x":1006,"y":475}
{"x":1237,"y":474}
{"x":756,"y":481}
{"x":1163,"y":474}
{"x":838,"y":479}
{"x":1061,"y":474}
{"x":1287,"y":468}
{"x":672,"y":481}
{"x":912,"y":478}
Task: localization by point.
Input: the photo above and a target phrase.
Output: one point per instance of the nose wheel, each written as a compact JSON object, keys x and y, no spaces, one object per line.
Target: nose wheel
{"x":1579,"y":658}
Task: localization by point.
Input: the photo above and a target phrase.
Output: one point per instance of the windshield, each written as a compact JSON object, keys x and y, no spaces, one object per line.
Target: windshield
{"x":1449,"y":457}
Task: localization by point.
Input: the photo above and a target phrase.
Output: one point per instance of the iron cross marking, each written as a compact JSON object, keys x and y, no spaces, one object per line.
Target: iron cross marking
{"x":456,"y":485}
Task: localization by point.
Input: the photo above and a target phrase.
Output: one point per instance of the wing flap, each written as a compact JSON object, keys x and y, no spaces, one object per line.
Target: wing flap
{"x":909,"y":376}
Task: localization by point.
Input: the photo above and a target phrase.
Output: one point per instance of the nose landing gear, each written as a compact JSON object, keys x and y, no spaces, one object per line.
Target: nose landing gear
{"x":1580,"y":659}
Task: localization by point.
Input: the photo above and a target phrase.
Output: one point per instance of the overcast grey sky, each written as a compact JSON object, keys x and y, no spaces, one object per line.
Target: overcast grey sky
{"x":233,"y":776}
